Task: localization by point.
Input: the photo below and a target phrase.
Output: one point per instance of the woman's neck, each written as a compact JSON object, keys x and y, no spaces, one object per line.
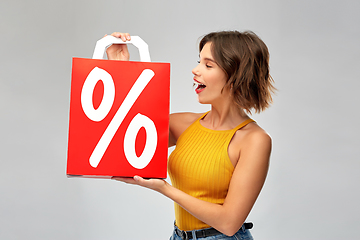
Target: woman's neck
{"x":224,"y":118}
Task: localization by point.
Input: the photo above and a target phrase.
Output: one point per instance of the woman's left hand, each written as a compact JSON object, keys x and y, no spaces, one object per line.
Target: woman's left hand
{"x":154,"y":184}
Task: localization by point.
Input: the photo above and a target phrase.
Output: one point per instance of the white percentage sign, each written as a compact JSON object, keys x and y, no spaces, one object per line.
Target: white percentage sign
{"x":139,"y":121}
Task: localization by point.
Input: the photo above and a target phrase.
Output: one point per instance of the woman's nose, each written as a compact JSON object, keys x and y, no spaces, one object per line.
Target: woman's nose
{"x":195,"y":70}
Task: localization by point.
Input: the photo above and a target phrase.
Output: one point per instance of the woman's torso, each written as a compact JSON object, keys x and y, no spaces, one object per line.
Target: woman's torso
{"x":200,"y":166}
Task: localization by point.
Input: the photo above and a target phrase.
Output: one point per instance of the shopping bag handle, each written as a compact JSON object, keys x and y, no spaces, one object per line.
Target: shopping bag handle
{"x":105,"y":42}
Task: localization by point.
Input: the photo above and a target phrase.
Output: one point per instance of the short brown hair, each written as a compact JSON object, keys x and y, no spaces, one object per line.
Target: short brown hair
{"x":244,"y":57}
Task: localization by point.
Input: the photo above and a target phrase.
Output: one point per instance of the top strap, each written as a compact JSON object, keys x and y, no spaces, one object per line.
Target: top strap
{"x":243,"y":124}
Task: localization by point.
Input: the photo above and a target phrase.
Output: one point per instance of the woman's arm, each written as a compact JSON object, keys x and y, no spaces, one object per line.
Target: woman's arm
{"x":247,"y":180}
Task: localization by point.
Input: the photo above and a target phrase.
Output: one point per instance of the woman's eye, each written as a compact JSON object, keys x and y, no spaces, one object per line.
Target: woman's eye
{"x":208,"y":66}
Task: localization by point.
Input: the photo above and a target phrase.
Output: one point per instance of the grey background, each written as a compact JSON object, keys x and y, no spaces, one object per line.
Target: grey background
{"x":312,"y":190}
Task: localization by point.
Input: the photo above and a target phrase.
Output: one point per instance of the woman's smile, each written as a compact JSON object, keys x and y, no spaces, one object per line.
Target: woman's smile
{"x":199,"y":86}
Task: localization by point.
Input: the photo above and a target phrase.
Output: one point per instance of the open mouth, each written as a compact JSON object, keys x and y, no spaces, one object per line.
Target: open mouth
{"x":199,"y":87}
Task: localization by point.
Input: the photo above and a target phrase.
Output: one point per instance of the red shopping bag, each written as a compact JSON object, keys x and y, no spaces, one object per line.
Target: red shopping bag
{"x":119,"y":115}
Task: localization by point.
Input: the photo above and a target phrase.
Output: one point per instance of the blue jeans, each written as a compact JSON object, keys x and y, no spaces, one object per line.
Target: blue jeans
{"x":243,"y":234}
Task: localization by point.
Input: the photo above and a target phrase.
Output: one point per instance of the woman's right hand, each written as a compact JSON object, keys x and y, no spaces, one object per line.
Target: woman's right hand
{"x":119,"y":51}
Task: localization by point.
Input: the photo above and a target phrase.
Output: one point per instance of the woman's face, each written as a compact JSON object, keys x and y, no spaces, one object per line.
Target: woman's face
{"x":209,"y":78}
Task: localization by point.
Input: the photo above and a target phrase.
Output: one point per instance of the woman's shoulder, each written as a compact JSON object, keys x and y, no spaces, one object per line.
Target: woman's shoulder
{"x":252,"y":137}
{"x":250,"y":140}
{"x":179,"y":122}
{"x":185,"y":117}
{"x":252,"y":133}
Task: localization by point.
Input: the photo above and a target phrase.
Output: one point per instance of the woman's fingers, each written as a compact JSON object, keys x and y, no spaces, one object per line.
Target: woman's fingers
{"x":155,"y":184}
{"x":134,"y":180}
{"x":124,"y":179}
{"x":124,"y":36}
{"x":119,"y":51}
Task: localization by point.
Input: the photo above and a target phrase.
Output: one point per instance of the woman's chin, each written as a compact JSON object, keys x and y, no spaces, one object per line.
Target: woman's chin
{"x":202,"y":101}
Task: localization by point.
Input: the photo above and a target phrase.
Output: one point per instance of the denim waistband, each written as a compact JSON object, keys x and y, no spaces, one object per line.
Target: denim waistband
{"x":206,"y":232}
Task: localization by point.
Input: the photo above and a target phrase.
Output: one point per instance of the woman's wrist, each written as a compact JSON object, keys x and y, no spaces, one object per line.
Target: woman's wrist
{"x":165,"y":189}
{"x":118,"y":57}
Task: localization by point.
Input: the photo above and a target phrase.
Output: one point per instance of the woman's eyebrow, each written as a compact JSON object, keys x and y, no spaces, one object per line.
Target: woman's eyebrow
{"x":208,"y":59}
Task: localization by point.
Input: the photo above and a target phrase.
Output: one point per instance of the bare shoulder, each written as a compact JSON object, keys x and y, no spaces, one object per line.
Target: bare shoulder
{"x":185,"y":117}
{"x":179,"y":122}
{"x":252,"y":141}
{"x":252,"y":134}
{"x":256,"y":134}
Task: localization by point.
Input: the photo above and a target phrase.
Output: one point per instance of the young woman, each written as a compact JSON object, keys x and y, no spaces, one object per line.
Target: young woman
{"x":222,"y":156}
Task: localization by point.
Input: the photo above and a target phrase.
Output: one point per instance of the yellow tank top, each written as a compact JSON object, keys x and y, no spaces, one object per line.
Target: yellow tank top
{"x":200,"y":166}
